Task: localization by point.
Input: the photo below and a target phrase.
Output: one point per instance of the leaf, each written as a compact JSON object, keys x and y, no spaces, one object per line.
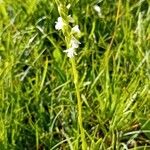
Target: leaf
{"x":145,"y":125}
{"x":57,"y":55}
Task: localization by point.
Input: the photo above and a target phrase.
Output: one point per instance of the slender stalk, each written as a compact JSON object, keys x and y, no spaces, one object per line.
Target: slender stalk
{"x":79,"y":104}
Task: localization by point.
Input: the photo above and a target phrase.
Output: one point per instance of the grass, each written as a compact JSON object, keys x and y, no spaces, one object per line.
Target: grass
{"x":38,"y":99}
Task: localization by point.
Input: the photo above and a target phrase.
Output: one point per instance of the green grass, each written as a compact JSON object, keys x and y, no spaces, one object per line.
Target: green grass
{"x":38,"y":98}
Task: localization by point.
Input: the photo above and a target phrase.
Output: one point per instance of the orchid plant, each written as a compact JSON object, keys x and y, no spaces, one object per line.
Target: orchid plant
{"x":72,"y":43}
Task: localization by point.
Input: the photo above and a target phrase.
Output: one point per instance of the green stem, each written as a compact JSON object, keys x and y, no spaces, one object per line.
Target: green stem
{"x":79,"y":104}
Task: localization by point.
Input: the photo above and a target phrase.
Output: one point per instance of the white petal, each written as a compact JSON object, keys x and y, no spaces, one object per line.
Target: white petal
{"x":75,"y":29}
{"x":59,"y":23}
{"x":97,"y":8}
{"x":74,"y":42}
{"x":70,"y":52}
{"x":60,"y":19}
{"x":68,"y":6}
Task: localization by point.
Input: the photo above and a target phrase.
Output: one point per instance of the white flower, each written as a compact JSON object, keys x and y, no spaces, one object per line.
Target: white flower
{"x":75,"y":29}
{"x":74,"y":42}
{"x":59,"y":23}
{"x":70,"y":52}
{"x":98,"y":10}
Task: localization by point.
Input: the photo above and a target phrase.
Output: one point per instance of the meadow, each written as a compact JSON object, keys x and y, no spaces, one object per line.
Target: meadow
{"x":75,"y":75}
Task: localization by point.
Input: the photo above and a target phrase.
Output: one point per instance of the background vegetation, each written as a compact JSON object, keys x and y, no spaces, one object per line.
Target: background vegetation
{"x":37,"y":96}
